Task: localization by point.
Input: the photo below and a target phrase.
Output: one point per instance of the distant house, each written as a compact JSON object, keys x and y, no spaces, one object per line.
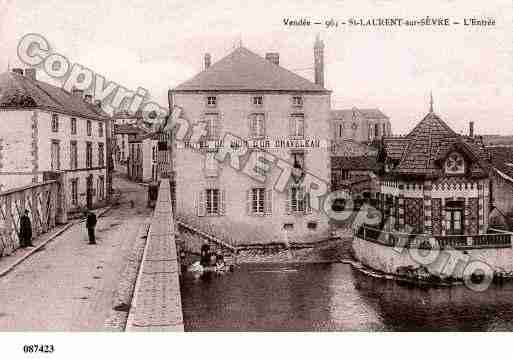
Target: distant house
{"x":123,"y":134}
{"x":502,"y":185}
{"x":361,"y":125}
{"x":46,"y":129}
{"x":149,"y":157}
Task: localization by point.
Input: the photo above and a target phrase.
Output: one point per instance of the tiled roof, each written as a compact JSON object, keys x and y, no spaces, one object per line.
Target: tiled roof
{"x":394,"y":146}
{"x":420,"y":151}
{"x":365,"y":113}
{"x":360,"y":163}
{"x":18,"y":91}
{"x":502,"y":160}
{"x":243,"y":70}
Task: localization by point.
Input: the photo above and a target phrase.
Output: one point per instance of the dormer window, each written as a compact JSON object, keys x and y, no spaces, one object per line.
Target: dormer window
{"x":297,"y":101}
{"x":211,"y":101}
{"x":455,"y":164}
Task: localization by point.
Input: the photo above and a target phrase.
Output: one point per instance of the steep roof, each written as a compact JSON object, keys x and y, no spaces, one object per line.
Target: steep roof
{"x":420,"y":152}
{"x":18,"y":91}
{"x":502,"y":160}
{"x":365,"y":113}
{"x":243,"y":70}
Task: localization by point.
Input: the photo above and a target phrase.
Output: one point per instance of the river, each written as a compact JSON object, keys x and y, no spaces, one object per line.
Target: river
{"x":335,"y":297}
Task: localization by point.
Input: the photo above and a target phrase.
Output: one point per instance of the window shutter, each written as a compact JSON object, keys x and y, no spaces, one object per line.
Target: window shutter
{"x":252,"y":126}
{"x":268,"y":202}
{"x":222,"y":203}
{"x":301,"y":126}
{"x":217,"y":127}
{"x":262,"y":125}
{"x":201,"y":203}
{"x":248,"y":201}
{"x":292,"y":126}
{"x":288,"y":208}
{"x":308,"y":203}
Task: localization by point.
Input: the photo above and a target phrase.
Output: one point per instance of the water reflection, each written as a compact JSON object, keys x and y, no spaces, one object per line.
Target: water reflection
{"x":321,"y":297}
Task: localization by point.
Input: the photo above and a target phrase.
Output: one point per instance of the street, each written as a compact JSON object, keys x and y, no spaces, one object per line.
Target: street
{"x":70,"y":285}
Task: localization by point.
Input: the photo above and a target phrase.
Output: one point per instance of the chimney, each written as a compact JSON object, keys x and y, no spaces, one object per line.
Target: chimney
{"x":31,"y":73}
{"x":207,"y":60}
{"x":77,"y":92}
{"x":274,"y":57}
{"x":18,"y":71}
{"x":98,"y":103}
{"x":471,"y":129}
{"x":88,"y":98}
{"x":319,"y":61}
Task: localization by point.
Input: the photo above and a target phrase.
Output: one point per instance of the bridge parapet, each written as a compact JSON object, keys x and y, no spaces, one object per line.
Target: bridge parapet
{"x":157,"y":304}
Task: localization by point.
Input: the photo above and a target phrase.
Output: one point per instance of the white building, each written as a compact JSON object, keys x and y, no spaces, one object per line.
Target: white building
{"x":47,"y":129}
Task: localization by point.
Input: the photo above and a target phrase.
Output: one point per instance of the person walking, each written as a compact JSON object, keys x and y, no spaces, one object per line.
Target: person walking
{"x":25,"y":230}
{"x":90,"y":225}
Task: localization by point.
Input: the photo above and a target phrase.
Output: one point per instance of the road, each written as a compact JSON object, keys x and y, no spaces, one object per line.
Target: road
{"x":70,"y":285}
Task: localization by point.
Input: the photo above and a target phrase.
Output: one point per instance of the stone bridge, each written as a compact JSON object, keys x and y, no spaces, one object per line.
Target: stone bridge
{"x":156,"y":305}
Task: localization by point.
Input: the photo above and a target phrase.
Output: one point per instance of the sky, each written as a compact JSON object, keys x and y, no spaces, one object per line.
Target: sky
{"x":158,"y":44}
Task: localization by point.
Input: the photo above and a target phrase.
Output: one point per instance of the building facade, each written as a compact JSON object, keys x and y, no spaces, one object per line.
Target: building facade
{"x":46,"y":129}
{"x":360,"y":125}
{"x":254,"y":99}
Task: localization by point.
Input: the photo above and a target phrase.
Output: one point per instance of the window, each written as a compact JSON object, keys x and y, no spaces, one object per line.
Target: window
{"x":298,"y":160}
{"x":258,"y":100}
{"x":89,"y":127}
{"x":74,"y":191}
{"x":340,"y":130}
{"x":211,"y":168}
{"x":454,"y":164}
{"x":376,"y":130}
{"x":312,"y":225}
{"x":211,"y":101}
{"x":55,"y":156}
{"x":297,"y":101}
{"x":101,"y":155}
{"x":212,"y":201}
{"x":73,"y":126}
{"x":100,"y":190}
{"x":257,"y":125}
{"x":55,"y":123}
{"x":73,"y":153}
{"x":297,"y":199}
{"x":257,"y":200}
{"x":89,"y":154}
{"x":100,"y":129}
{"x":288,"y":226}
{"x":454,"y":217}
{"x":384,"y":132}
{"x":297,"y":125}
{"x":212,"y":127}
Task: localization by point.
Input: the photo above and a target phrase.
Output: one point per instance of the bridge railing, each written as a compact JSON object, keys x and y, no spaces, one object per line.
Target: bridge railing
{"x":44,"y":202}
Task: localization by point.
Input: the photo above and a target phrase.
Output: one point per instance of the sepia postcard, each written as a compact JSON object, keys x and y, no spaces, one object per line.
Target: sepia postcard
{"x":281,"y":166}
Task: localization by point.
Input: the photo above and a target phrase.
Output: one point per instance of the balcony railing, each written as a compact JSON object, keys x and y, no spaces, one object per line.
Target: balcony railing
{"x":494,"y":239}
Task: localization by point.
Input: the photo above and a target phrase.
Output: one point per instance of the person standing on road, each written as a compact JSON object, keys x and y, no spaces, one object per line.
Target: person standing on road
{"x":25,"y":230}
{"x":90,"y":225}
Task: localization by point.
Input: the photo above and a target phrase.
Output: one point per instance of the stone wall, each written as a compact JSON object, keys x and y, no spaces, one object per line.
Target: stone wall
{"x":387,"y":260}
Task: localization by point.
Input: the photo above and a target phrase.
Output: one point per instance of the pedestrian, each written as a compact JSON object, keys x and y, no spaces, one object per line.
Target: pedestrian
{"x":205,"y":254}
{"x":25,"y":230}
{"x":90,"y":225}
